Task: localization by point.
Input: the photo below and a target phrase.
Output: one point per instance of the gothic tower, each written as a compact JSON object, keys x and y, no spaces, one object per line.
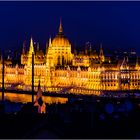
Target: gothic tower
{"x":31,"y":51}
{"x":101,"y":55}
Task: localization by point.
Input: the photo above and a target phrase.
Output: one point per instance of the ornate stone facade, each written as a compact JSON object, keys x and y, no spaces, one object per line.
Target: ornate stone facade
{"x":60,"y":70}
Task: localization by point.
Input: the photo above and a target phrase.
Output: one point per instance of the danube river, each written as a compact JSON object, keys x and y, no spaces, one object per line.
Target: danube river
{"x":24,"y":98}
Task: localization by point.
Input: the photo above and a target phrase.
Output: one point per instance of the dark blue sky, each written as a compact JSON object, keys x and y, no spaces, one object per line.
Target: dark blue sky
{"x":115,"y":24}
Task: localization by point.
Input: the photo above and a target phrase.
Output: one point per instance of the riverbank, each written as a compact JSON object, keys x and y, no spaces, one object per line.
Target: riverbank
{"x":99,"y":118}
{"x":65,"y":94}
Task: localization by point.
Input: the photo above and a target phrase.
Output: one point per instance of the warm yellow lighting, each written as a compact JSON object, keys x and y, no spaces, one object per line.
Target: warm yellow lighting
{"x":60,"y":70}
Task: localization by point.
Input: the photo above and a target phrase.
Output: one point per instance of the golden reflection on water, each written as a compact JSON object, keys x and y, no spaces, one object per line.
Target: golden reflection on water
{"x":24,"y":98}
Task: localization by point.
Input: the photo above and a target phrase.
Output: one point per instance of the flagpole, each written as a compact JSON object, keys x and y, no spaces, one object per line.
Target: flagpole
{"x":32,"y":77}
{"x":3,"y":77}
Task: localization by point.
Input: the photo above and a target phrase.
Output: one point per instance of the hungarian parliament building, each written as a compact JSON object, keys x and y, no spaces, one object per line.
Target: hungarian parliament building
{"x":60,"y":70}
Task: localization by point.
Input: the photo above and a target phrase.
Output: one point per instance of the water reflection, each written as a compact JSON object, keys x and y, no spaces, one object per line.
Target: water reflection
{"x":24,"y":98}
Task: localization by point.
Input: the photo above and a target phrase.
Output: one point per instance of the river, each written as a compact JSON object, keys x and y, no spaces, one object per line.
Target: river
{"x":24,"y":98}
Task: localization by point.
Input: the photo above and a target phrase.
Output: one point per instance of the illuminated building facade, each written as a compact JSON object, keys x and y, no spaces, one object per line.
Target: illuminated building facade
{"x":63,"y":71}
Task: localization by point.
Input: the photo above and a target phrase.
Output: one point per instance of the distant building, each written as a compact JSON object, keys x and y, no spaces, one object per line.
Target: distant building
{"x":83,"y":72}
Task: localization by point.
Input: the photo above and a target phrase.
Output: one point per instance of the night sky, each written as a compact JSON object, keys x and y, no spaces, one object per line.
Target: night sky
{"x":114,"y":24}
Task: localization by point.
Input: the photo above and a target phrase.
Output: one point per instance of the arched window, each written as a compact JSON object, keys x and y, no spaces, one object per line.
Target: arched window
{"x":63,"y":61}
{"x":58,"y":60}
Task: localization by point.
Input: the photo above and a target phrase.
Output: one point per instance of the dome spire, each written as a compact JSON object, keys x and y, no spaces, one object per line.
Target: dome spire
{"x":60,"y":27}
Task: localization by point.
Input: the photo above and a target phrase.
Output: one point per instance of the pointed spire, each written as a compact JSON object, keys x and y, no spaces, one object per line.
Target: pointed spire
{"x":124,"y":64}
{"x":90,"y":49}
{"x":31,"y":42}
{"x":101,"y":55}
{"x":137,"y":62}
{"x":75,"y":51}
{"x":127,"y":59}
{"x":8,"y":58}
{"x":31,"y":46}
{"x":60,"y":27}
{"x":24,"y":48}
{"x":37,"y":46}
{"x":101,"y":50}
{"x":50,"y":41}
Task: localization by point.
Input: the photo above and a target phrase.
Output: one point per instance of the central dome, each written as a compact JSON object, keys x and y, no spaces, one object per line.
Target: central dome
{"x":60,"y":39}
